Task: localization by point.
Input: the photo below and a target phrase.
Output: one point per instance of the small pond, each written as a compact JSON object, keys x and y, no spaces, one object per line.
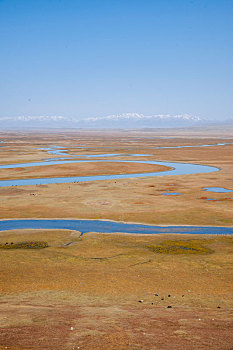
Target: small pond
{"x":171,"y":194}
{"x":217,"y":189}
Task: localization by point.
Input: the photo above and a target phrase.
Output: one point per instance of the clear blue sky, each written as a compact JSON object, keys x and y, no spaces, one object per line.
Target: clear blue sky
{"x":94,"y":58}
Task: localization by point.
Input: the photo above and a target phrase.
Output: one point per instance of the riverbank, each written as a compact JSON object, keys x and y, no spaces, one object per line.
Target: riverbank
{"x":129,"y":200}
{"x":108,"y":291}
{"x":110,"y":226}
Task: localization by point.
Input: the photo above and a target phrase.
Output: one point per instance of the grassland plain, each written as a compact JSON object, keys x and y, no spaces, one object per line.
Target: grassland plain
{"x":112,"y":291}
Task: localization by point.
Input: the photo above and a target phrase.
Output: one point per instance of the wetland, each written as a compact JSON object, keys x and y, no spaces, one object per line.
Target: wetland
{"x":117,"y":251}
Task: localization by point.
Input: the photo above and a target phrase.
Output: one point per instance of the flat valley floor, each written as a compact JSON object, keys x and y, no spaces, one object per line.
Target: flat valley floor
{"x":117,"y":291}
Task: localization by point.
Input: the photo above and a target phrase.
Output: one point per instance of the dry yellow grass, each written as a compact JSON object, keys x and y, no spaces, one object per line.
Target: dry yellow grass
{"x":136,"y":200}
{"x":115,"y":266}
{"x":86,"y":295}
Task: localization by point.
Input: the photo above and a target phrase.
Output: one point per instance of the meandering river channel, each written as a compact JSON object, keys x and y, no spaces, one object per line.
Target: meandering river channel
{"x":177,"y":168}
{"x":103,"y":226}
{"x":84,"y":226}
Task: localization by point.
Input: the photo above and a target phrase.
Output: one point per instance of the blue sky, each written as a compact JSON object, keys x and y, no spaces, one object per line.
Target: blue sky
{"x":94,"y":58}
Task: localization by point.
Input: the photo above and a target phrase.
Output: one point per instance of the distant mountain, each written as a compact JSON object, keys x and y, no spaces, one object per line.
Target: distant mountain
{"x":31,"y":122}
{"x":121,"y":121}
{"x":135,"y":120}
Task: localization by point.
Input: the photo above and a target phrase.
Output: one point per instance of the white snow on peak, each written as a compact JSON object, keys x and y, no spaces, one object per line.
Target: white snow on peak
{"x":125,"y":120}
{"x":137,"y":116}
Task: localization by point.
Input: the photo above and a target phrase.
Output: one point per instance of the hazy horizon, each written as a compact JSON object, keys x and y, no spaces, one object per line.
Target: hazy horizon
{"x":90,"y":59}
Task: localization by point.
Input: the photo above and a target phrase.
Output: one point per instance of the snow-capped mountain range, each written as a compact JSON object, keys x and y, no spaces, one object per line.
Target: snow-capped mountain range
{"x":125,"y":120}
{"x":120,"y":121}
{"x":137,"y":116}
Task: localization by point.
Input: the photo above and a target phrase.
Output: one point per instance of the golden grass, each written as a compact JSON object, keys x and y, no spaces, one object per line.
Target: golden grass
{"x":116,"y":266}
{"x":136,"y":200}
{"x":181,"y":247}
{"x":103,"y":276}
{"x":25,"y":245}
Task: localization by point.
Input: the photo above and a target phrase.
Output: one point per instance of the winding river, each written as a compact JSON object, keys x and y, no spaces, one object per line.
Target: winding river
{"x":84,"y":226}
{"x":177,"y":168}
{"x":103,"y":226}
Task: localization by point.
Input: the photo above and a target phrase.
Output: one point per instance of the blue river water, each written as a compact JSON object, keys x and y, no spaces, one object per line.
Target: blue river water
{"x":217,"y":189}
{"x":101,"y":226}
{"x":196,"y":146}
{"x":176,"y":168}
{"x":84,"y":226}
